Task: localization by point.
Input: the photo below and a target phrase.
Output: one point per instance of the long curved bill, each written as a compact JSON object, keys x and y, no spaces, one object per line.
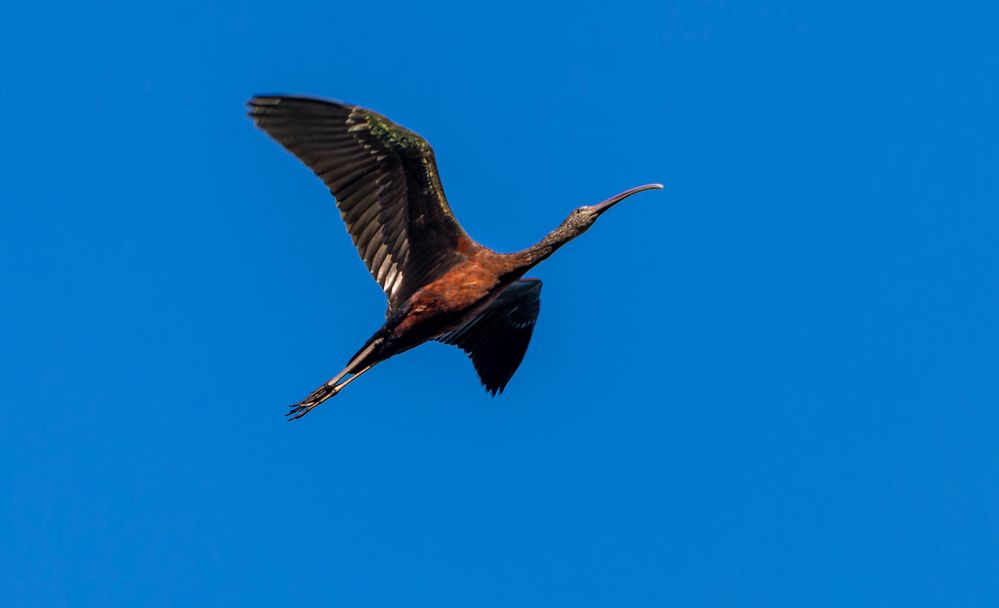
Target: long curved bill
{"x":617,"y":198}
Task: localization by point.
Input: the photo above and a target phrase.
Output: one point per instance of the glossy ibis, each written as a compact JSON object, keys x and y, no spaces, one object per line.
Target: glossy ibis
{"x":440,"y":284}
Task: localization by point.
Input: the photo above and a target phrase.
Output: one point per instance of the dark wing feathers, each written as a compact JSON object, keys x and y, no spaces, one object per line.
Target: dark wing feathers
{"x":385,"y":181}
{"x":497,"y":339}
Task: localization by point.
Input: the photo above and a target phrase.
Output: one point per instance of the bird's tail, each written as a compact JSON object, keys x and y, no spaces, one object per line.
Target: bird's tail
{"x":365,"y":359}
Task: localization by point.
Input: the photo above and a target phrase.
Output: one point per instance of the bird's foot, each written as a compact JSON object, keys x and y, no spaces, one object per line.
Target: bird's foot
{"x":315,"y":398}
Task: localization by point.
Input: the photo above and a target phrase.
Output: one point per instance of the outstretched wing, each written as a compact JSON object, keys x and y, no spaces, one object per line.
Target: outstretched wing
{"x":385,"y":181}
{"x":497,"y":339}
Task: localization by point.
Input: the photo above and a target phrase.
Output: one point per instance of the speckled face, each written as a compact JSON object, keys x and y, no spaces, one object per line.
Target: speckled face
{"x":580,"y":219}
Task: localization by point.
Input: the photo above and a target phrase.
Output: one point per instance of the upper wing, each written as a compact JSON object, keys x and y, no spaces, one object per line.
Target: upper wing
{"x":385,"y":181}
{"x":497,"y":339}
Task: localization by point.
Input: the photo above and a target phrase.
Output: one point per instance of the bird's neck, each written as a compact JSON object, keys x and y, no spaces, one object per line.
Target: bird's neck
{"x":532,"y":256}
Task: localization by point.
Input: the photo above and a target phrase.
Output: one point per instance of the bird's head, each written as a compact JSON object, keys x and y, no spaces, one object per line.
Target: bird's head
{"x":580,"y":220}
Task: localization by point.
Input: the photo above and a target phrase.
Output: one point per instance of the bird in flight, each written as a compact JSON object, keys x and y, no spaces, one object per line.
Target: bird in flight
{"x":440,"y":284}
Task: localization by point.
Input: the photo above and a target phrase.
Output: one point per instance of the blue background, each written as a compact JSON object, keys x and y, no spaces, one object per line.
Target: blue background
{"x":771,"y":384}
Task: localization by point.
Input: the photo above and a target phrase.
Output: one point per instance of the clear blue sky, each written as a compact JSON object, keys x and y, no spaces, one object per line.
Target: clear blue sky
{"x":773,"y":383}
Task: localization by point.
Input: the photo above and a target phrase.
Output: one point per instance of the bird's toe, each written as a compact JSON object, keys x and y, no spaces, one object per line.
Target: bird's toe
{"x":305,"y":406}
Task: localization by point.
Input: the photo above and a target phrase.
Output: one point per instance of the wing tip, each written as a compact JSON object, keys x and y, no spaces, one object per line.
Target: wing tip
{"x":494,"y":391}
{"x":270,"y":100}
{"x":283,"y":107}
{"x":259,"y":105}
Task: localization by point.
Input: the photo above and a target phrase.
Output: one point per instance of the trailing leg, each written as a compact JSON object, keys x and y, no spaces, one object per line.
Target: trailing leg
{"x":363,"y":361}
